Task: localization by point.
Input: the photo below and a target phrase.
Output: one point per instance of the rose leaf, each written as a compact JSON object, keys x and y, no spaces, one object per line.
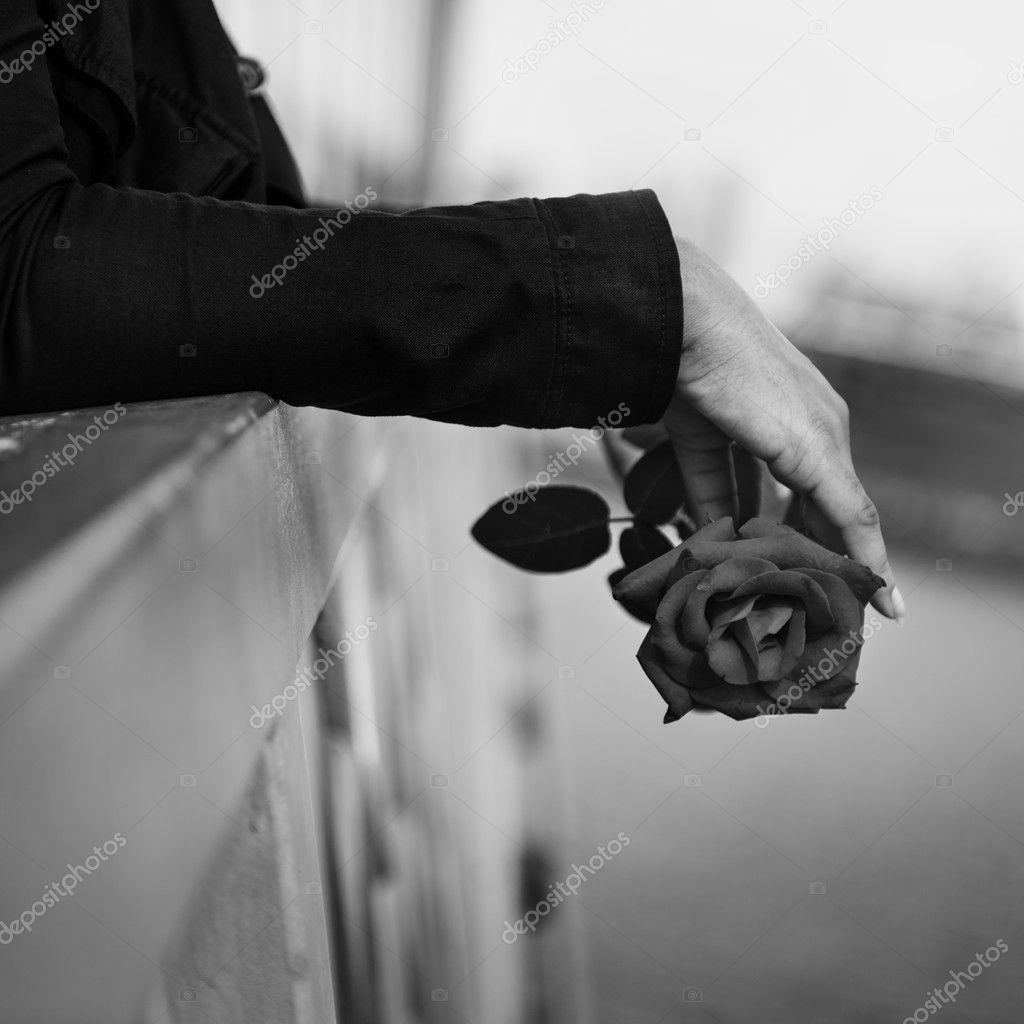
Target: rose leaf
{"x":641,"y":544}
{"x":653,"y":488}
{"x":553,"y":530}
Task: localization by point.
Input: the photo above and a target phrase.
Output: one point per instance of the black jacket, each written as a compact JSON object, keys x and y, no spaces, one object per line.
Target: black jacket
{"x":144,"y":216}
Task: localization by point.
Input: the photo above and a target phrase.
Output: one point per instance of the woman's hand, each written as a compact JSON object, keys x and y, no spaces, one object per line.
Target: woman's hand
{"x":741,"y":380}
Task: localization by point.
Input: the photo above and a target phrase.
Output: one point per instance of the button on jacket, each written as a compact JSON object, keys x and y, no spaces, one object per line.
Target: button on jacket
{"x":154,"y":244}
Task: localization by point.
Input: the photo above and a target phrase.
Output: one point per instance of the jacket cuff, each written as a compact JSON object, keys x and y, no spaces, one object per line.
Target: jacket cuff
{"x":619,"y":308}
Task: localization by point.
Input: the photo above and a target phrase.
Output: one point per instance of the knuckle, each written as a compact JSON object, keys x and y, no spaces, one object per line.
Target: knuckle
{"x":867,"y":514}
{"x":834,"y":415}
{"x":825,"y":424}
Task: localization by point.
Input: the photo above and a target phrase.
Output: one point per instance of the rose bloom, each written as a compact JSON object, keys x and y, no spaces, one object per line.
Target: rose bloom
{"x":748,"y":621}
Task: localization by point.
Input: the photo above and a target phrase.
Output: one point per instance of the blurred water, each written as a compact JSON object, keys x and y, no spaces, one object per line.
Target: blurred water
{"x":716,"y":890}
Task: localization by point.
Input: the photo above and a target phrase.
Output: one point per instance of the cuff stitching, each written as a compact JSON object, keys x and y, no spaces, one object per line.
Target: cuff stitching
{"x":561,"y":358}
{"x":662,"y":303}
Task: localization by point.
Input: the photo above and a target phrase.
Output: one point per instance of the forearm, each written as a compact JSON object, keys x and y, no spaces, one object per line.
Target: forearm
{"x":532,"y":313}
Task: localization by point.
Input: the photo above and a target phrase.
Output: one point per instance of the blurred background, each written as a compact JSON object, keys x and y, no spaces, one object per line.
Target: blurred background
{"x":858,"y":167}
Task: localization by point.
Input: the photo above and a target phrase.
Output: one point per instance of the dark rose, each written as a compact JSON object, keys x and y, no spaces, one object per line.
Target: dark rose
{"x":749,"y":623}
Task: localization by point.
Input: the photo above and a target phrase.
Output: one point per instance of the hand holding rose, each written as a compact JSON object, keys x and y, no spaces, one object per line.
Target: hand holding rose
{"x":741,"y":380}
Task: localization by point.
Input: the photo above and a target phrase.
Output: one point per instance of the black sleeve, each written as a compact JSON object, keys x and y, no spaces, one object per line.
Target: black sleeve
{"x":532,"y":312}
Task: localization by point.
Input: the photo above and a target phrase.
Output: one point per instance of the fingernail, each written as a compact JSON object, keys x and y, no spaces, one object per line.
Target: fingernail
{"x":899,"y":606}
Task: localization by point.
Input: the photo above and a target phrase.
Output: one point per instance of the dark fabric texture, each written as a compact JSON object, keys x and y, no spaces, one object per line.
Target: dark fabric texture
{"x":138,"y":183}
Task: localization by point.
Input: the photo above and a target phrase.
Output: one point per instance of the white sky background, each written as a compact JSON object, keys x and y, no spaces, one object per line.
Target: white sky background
{"x":801,"y":108}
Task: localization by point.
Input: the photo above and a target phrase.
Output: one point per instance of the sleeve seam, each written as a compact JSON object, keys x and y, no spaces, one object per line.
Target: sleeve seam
{"x":561,"y":315}
{"x":662,"y":303}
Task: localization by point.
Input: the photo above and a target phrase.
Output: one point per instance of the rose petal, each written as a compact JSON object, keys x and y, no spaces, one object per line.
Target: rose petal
{"x":825,"y":654}
{"x":717,"y":530}
{"x":789,"y":550}
{"x":742,"y":634}
{"x":793,"y":645}
{"x":728,"y":660}
{"x":723,"y":579}
{"x":769,"y":616}
{"x":691,"y":669}
{"x":666,"y":629}
{"x":643,"y":588}
{"x":769,"y":662}
{"x":721,"y":612}
{"x":644,"y":613}
{"x":827,"y":657}
{"x":667,"y":644}
{"x":800,"y":586}
{"x":758,"y":527}
{"x":828,"y":693}
{"x":738,"y":702}
{"x":675,"y":696}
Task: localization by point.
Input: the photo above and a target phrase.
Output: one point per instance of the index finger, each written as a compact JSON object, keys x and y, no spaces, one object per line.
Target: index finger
{"x":845,"y":503}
